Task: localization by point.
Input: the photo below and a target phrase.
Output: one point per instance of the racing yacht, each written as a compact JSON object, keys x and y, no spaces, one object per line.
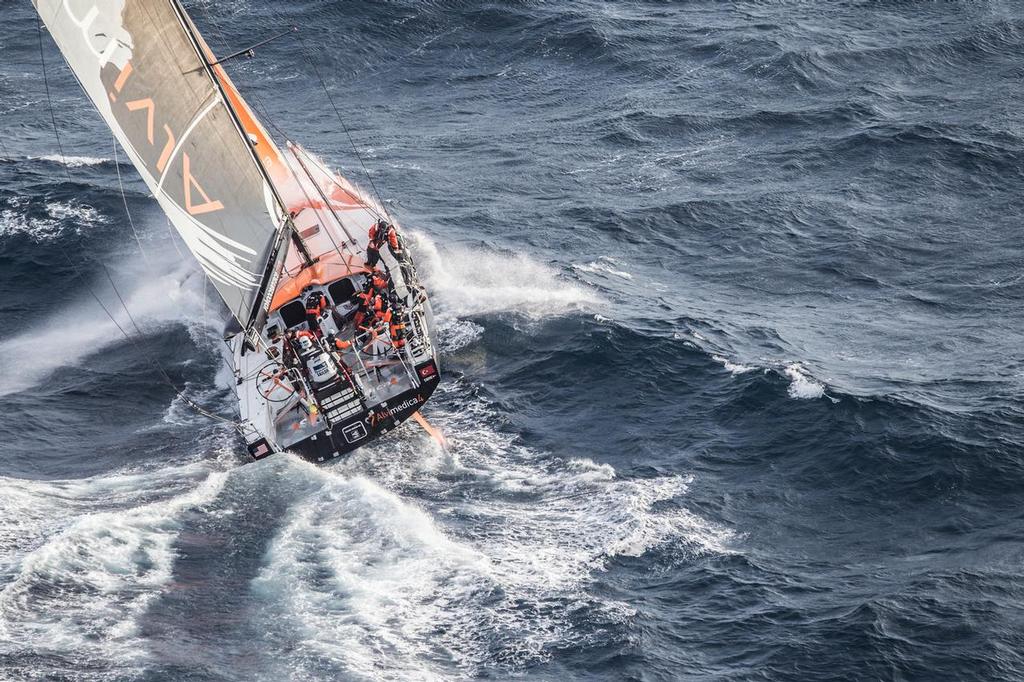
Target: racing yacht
{"x":330,"y":335}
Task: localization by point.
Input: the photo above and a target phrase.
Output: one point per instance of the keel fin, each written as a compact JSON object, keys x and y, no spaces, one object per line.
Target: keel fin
{"x":431,"y":430}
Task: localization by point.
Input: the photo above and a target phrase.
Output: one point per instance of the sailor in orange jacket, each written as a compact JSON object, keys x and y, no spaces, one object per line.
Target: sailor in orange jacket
{"x":395,"y":244}
{"x":381,"y":233}
{"x":380,"y":281}
{"x":377,"y":235}
{"x":397,"y":331}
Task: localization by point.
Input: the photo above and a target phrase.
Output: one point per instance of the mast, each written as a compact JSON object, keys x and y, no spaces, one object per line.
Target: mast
{"x":265,"y":293}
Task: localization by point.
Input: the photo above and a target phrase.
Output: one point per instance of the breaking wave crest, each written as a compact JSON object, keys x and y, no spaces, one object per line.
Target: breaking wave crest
{"x":74,"y":161}
{"x":802,"y":385}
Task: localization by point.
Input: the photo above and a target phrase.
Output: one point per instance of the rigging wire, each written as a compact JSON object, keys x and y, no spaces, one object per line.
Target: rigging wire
{"x":341,"y":120}
{"x":174,"y":242}
{"x":124,"y":198}
{"x":75,"y":266}
{"x":265,"y":114}
{"x":294,"y":150}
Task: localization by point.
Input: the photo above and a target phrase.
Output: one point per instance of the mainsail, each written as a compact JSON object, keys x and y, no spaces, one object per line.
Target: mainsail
{"x":143,"y":67}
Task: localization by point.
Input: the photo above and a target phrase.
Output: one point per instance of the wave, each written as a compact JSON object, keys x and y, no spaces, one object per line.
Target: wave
{"x":604,"y":265}
{"x":73,"y":161}
{"x":732,"y":367}
{"x":494,"y":562}
{"x":802,"y":385}
{"x":56,"y":220}
{"x":74,"y":333}
{"x":85,"y":558}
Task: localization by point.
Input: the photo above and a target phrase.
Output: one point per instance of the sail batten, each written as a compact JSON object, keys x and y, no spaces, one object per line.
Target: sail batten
{"x":147,"y":72}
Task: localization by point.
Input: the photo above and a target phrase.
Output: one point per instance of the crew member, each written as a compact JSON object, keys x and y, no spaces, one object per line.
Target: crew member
{"x":288,"y":356}
{"x":316,"y":304}
{"x":339,"y":344}
{"x":377,"y":235}
{"x":397,"y":330}
{"x":380,"y":281}
{"x":395,"y":243}
{"x":365,"y":302}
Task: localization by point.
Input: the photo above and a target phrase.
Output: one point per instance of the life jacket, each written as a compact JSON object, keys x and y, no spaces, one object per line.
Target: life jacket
{"x":378,"y":234}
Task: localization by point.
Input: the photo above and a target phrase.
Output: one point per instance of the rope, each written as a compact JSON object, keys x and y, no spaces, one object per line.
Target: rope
{"x":75,"y":266}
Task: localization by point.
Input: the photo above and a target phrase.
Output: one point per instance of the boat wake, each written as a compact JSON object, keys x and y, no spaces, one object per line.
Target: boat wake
{"x":83,"y":560}
{"x":447,"y":562}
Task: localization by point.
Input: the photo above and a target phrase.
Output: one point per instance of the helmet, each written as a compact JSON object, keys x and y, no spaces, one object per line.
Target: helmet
{"x":305,"y":344}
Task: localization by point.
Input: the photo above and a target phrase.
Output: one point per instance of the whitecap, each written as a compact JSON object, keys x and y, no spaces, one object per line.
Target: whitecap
{"x":503,"y":543}
{"x":85,"y":558}
{"x":62,"y":217}
{"x":734,"y":368}
{"x":74,"y":161}
{"x":604,"y":265}
{"x":455,"y":334}
{"x":802,"y":385}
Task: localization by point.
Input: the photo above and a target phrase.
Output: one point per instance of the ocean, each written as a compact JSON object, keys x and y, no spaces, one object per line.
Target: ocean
{"x":731,"y":305}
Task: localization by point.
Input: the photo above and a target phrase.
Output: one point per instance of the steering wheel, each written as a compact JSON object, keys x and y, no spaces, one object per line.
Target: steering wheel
{"x":273,"y":383}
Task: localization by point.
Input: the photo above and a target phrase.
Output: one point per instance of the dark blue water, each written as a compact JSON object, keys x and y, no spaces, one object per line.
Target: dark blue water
{"x":731,"y":300}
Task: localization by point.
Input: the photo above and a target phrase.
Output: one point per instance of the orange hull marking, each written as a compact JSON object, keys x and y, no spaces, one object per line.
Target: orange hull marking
{"x":434,"y":433}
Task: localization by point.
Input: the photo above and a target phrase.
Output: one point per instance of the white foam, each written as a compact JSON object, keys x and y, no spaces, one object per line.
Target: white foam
{"x":81,"y":214}
{"x":62,"y":217}
{"x":73,"y":334}
{"x":456,"y":334}
{"x":472,"y":281}
{"x":99,"y":551}
{"x":74,"y":161}
{"x":734,"y":368}
{"x":504,"y":544}
{"x":604,"y":265}
{"x":802,"y":386}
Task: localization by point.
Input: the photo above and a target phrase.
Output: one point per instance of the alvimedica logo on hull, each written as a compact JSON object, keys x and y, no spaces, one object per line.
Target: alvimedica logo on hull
{"x":380,"y":415}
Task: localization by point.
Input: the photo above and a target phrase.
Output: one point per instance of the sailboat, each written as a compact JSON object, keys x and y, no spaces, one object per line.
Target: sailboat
{"x":330,"y":334}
